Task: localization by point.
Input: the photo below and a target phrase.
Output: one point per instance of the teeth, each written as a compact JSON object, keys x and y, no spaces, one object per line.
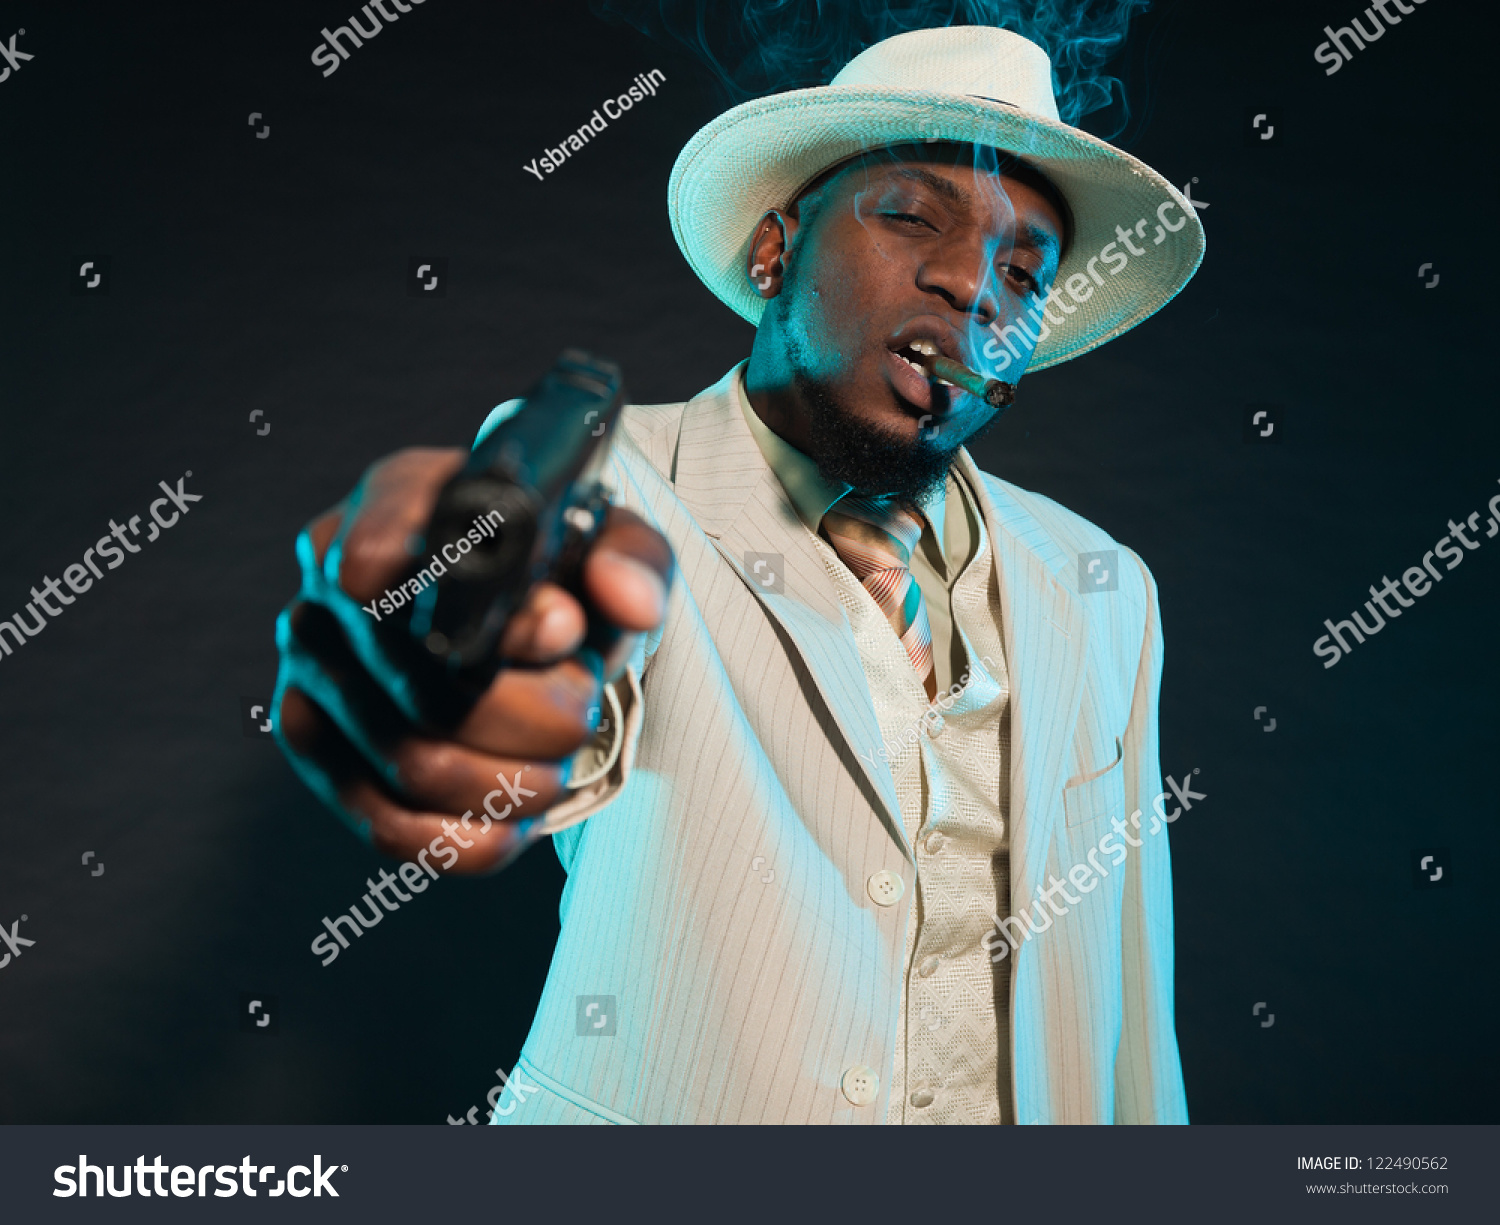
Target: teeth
{"x":926,"y":347}
{"x":922,"y":370}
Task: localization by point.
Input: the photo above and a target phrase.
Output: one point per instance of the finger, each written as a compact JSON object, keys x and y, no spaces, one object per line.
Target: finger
{"x":619,"y":655}
{"x":321,"y":531}
{"x":437,"y":780}
{"x":404,"y":833}
{"x":549,"y":625}
{"x":536,"y":713}
{"x":336,"y":771}
{"x":441,"y":776}
{"x":628,"y":572}
{"x":312,"y":546}
{"x":387,"y":518}
{"x":317,"y":657}
{"x":530,"y":714}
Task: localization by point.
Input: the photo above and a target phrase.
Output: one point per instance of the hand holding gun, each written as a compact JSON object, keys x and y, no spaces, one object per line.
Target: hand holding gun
{"x":402,"y":723}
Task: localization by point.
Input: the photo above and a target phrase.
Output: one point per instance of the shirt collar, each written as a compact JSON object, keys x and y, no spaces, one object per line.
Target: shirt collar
{"x":810,"y":494}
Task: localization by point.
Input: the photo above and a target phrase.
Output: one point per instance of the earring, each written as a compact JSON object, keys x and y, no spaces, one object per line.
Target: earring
{"x":757,"y":270}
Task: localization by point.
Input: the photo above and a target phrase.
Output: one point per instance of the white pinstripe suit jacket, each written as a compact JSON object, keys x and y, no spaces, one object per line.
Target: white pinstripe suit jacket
{"x":716,"y":896}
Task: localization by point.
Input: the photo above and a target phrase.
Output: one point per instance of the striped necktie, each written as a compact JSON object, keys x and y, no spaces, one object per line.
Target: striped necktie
{"x":875,"y":540}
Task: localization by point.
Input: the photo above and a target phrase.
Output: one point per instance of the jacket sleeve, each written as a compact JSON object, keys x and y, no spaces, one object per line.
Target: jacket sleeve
{"x":1148,"y":1070}
{"x":599,"y":769}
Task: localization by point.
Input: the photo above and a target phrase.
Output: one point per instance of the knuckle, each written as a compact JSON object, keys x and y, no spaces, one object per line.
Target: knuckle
{"x":369,"y":556}
{"x":578,"y":727}
{"x":428,"y":767}
{"x":375,"y":819}
{"x":298,"y":720}
{"x":387,"y":839}
{"x":570,"y":711}
{"x":570,"y":735}
{"x":315,"y":537}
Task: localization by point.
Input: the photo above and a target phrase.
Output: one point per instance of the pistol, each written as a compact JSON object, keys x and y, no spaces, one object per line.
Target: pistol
{"x":524,"y":508}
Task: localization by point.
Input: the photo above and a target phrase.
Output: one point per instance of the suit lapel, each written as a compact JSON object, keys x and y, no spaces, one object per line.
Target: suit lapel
{"x":1046,"y":650}
{"x":724,"y":480}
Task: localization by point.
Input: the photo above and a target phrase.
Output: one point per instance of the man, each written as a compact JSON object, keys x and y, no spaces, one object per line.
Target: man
{"x":826,"y":810}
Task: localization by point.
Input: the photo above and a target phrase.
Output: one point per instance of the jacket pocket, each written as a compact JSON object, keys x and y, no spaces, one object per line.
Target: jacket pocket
{"x":1097,"y":795}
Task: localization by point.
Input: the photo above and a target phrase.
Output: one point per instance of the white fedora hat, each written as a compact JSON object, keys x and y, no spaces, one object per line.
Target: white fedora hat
{"x":970,"y":84}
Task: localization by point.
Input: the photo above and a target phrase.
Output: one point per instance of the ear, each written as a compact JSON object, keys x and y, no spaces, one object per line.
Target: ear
{"x":765,"y":264}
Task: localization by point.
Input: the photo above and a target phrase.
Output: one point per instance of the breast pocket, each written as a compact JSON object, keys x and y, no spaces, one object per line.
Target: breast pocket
{"x":1097,"y":795}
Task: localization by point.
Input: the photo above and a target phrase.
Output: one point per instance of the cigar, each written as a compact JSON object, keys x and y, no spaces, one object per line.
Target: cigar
{"x":995,"y":393}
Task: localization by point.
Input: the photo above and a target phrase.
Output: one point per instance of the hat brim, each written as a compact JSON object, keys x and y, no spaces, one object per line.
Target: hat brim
{"x":757,"y":156}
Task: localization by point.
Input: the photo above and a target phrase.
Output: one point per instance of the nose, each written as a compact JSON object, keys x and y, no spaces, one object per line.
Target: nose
{"x":962,"y":273}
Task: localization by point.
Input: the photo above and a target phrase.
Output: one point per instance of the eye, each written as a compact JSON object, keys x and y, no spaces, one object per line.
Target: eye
{"x":1023,"y":276}
{"x":911,"y":219}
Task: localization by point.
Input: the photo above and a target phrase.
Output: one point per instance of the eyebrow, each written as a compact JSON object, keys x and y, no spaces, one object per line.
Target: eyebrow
{"x":1036,"y":236}
{"x":1027,"y":232}
{"x":949,"y":190}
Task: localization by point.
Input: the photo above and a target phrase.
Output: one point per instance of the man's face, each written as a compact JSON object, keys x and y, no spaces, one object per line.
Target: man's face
{"x":917,"y":246}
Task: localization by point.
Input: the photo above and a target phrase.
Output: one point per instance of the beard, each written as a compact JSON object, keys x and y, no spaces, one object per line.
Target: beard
{"x":879,"y":465}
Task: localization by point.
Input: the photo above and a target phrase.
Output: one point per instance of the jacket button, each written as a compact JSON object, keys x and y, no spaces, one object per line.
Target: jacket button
{"x":861,"y":1085}
{"x":885,"y":888}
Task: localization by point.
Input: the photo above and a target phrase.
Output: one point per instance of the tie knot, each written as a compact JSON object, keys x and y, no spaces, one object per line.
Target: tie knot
{"x":864,"y":526}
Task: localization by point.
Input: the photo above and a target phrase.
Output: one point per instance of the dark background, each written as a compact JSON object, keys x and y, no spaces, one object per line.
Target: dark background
{"x":270,"y":274}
